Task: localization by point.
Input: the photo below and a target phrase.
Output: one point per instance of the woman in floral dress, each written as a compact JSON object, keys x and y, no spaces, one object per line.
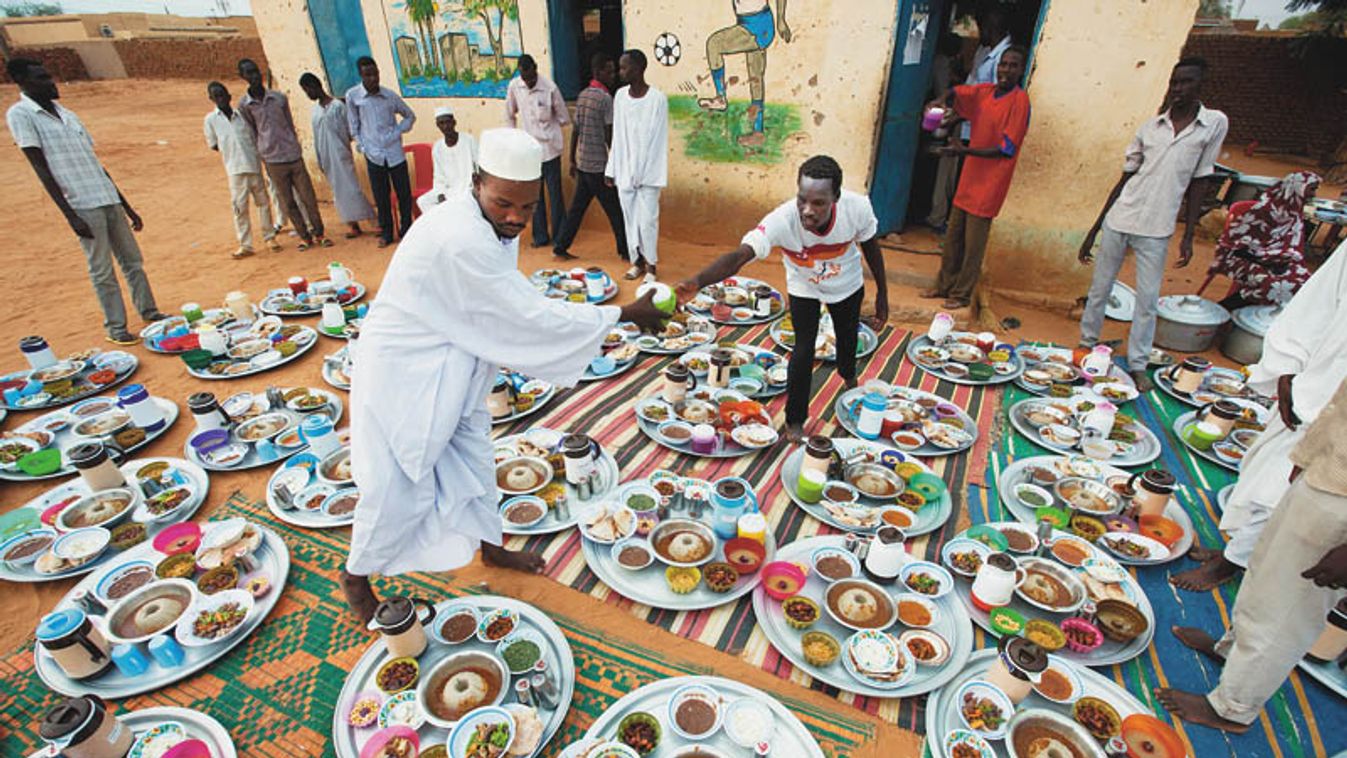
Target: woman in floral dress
{"x":1262,"y":249}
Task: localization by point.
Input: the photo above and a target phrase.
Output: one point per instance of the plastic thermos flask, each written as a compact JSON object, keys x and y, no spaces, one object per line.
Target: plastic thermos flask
{"x":316,"y":429}
{"x":870,"y":420}
{"x":207,"y":412}
{"x":97,"y":470}
{"x":730,"y":497}
{"x":136,"y":400}
{"x":577,"y":452}
{"x":37,"y":352}
{"x":594,"y":284}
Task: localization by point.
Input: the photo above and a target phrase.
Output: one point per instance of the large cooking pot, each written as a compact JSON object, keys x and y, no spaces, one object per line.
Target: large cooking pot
{"x":1188,"y":323}
{"x":1244,"y":342}
{"x":1248,"y":187}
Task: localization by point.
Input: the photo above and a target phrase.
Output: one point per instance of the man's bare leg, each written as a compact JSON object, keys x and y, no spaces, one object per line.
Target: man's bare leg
{"x":515,"y":560}
{"x":360,"y":596}
{"x":1196,"y":709}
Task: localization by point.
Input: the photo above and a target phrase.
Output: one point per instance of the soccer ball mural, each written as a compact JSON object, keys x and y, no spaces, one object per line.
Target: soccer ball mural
{"x":667,"y":49}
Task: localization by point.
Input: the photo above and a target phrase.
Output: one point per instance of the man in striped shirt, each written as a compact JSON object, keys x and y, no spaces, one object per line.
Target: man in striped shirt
{"x":590,"y":138}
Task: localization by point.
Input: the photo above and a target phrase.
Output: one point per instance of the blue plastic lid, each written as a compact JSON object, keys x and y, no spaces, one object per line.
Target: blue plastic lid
{"x":58,"y":624}
{"x":132,"y":393}
{"x":876,"y":401}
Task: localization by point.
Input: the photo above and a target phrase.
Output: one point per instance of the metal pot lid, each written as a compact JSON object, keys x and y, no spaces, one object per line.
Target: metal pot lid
{"x":1192,"y":310}
{"x":1122,"y":302}
{"x":1256,"y":319}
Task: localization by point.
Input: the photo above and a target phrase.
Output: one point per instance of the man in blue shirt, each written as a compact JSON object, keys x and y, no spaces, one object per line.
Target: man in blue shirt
{"x":373,"y":114}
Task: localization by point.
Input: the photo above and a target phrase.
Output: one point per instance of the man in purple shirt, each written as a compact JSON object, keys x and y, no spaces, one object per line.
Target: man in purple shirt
{"x":372,"y":112}
{"x":268,"y":115}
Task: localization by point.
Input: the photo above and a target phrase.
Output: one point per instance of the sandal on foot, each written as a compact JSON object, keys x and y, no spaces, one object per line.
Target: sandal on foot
{"x":634,"y":273}
{"x":304,"y":245}
{"x":325,"y":242}
{"x":125,"y":339}
{"x":242,"y":252}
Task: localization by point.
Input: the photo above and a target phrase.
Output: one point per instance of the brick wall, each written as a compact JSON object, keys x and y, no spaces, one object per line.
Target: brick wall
{"x":188,"y":58}
{"x":63,"y":63}
{"x":1271,"y":95}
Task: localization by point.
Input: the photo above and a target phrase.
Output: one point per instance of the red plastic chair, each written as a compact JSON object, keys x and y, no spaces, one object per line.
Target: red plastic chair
{"x":1236,"y":210}
{"x":422,"y":167}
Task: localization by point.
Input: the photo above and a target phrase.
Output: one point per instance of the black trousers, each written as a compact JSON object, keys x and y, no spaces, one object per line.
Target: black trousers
{"x":550,"y":203}
{"x":591,"y":186}
{"x":379,"y":179}
{"x":804,"y":313}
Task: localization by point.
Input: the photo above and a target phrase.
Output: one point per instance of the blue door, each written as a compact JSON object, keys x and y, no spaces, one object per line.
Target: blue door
{"x":340,"y":28}
{"x":909,"y":74}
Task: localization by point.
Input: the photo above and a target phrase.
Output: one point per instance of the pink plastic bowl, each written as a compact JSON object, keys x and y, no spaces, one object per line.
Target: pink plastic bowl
{"x":781,"y":570}
{"x":189,"y":749}
{"x":383,"y":736}
{"x":187,"y":529}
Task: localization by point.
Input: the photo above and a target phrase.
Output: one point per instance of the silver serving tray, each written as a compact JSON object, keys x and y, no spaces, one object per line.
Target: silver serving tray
{"x":538,"y":403}
{"x":254,"y":370}
{"x":157,"y":328}
{"x":198,"y":725}
{"x":1177,"y":428}
{"x":252,"y":460}
{"x":543,"y":283}
{"x":769,"y":391}
{"x":867,"y":341}
{"x":846,"y":400}
{"x":942,"y":710}
{"x":608,"y":482}
{"x":90,"y":392}
{"x":330,"y":370}
{"x":648,"y":586}
{"x":788,"y":738}
{"x":300,"y":517}
{"x":1328,"y":674}
{"x":930,"y":518}
{"x":65,"y":439}
{"x":1114,"y":370}
{"x":746,"y":283}
{"x":665,"y":351}
{"x":1162,"y":380}
{"x":730,"y":448}
{"x":269,"y":308}
{"x":1146,"y":449}
{"x":1015,"y":474}
{"x":1106,"y":654}
{"x":200,"y":482}
{"x":923,"y":341}
{"x":347,"y":740}
{"x":953,"y":624}
{"x":273,"y":559}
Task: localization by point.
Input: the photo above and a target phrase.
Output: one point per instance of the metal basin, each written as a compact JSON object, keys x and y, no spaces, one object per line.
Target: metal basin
{"x":1030,"y":722}
{"x":441,"y":671}
{"x":159,"y":605}
{"x":861,"y":472}
{"x":666,"y":537}
{"x":1075,"y":590}
{"x":1087,"y":496}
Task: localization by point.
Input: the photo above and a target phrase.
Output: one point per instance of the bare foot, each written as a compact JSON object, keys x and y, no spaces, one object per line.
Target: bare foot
{"x":1143,"y":380}
{"x":932,"y":294}
{"x":1198,"y":640}
{"x":359,"y":596}
{"x":494,"y":555}
{"x":1196,"y":710}
{"x":795,"y":433}
{"x":1202,"y":554}
{"x":1210,"y":575}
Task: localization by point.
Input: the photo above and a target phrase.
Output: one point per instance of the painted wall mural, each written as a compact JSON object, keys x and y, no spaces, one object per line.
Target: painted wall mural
{"x":458,"y":48}
{"x":721,"y":126}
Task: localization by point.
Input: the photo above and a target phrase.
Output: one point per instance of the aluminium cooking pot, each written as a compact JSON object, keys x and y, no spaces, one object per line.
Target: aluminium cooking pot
{"x":1244,"y":342}
{"x":1188,"y":323}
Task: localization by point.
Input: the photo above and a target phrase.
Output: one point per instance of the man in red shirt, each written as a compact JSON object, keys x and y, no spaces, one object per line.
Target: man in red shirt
{"x":999,"y":115}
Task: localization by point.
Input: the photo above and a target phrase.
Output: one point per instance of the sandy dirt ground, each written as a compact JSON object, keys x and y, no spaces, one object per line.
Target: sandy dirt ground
{"x":148,"y":134}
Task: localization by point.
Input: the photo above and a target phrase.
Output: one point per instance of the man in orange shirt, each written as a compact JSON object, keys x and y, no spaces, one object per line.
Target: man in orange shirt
{"x":999,"y":115}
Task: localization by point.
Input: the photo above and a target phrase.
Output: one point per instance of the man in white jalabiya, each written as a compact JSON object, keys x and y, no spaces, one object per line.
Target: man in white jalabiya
{"x":455,"y":159}
{"x":452,"y":309}
{"x":332,"y":144}
{"x":638,"y":163}
{"x":1304,"y":360}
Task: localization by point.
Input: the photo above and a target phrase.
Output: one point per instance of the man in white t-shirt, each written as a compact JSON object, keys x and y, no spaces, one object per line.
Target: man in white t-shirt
{"x":822,"y":234}
{"x":454,"y":158}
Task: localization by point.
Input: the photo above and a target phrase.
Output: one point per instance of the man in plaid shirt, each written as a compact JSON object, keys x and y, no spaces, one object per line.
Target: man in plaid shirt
{"x":62,"y":154}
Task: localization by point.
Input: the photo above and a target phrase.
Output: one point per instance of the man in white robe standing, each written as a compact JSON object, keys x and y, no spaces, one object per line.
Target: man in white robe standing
{"x":638,"y":163}
{"x":332,"y":144}
{"x":453,"y":308}
{"x":1304,"y":360}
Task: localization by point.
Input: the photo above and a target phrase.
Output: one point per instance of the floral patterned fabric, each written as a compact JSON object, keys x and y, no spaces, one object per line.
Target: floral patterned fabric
{"x":1261,"y":249}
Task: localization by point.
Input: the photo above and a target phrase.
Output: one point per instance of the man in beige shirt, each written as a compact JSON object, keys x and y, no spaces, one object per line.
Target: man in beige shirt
{"x":1283,"y":603}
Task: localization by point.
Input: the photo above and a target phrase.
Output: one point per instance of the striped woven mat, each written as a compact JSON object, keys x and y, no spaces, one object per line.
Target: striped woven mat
{"x":605,"y":411}
{"x":276,"y":692}
{"x":1303,"y":719}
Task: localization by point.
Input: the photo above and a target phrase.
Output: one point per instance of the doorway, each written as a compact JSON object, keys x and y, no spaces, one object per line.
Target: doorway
{"x":578,"y":29}
{"x":934,"y":44}
{"x":339,"y":26}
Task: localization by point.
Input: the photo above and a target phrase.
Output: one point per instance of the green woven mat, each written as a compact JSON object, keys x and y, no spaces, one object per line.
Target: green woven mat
{"x":276,"y":692}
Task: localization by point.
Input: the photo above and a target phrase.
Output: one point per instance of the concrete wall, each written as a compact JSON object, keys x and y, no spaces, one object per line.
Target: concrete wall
{"x":830,"y":78}
{"x":1101,"y":68}
{"x":100,"y":57}
{"x":37,"y":31}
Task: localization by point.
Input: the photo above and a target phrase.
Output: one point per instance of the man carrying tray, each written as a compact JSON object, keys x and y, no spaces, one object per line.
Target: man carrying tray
{"x":453,"y":307}
{"x":822,"y":234}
